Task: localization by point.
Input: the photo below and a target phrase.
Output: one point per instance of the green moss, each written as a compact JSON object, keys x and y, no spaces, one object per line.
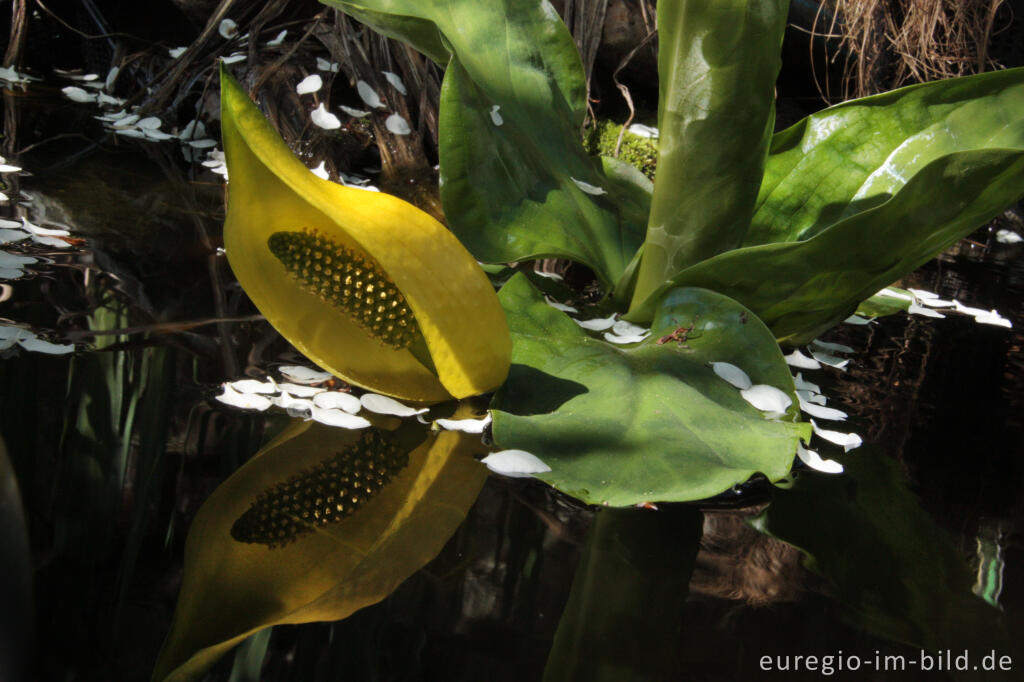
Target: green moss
{"x":640,"y":152}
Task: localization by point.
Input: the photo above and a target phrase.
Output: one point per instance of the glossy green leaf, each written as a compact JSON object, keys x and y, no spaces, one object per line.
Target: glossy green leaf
{"x":717,"y":64}
{"x":236,"y":583}
{"x":802,"y":288}
{"x":897,"y":573}
{"x":651,"y":422}
{"x":855,"y":156}
{"x":516,"y":183}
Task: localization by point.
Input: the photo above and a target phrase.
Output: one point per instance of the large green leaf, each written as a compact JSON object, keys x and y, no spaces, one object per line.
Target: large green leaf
{"x":717,"y":63}
{"x":240,"y":577}
{"x":802,"y":288}
{"x":851,"y":157}
{"x":652,"y":422}
{"x":515,"y":178}
{"x":883,"y":557}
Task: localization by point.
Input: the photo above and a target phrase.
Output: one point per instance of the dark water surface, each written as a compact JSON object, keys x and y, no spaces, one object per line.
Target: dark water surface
{"x":918,"y":544}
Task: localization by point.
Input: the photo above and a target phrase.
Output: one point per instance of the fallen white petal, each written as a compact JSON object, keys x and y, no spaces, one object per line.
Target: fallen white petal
{"x":247,"y":401}
{"x":916,"y":309}
{"x":336,"y":400}
{"x":814,"y":460}
{"x":339,"y":418}
{"x":632,"y":338}
{"x":253,"y":386}
{"x":150,"y":123}
{"x":560,"y":306}
{"x":129,"y":132}
{"x":465,"y":425}
{"x":300,"y":390}
{"x":4,"y":198}
{"x":108,"y":82}
{"x":7,"y":168}
{"x":801,"y":361}
{"x":295,"y":406}
{"x":324,"y":65}
{"x":830,"y":360}
{"x":11,"y":272}
{"x":767,"y":398}
{"x":11,"y":335}
{"x":228,"y":29}
{"x":848,"y":441}
{"x":819,"y":411}
{"x":811,"y":397}
{"x":549,"y":275}
{"x":382,"y":404}
{"x":204,"y":143}
{"x":126,"y":121}
{"x":732,"y":374}
{"x":278,"y":39}
{"x":804,"y":385}
{"x":104,"y":98}
{"x":10,"y":224}
{"x":13,"y":260}
{"x":7,"y":236}
{"x":1005,"y":236}
{"x":396,"y":81}
{"x":368,"y":95}
{"x":892,"y":293}
{"x":624,"y":328}
{"x":234,"y":58}
{"x":355,"y":113}
{"x":321,"y":171}
{"x":993,"y":318}
{"x":496,"y":118}
{"x":515,"y":463}
{"x":42,"y":231}
{"x":176,"y":52}
{"x":598,"y":324}
{"x":973,"y":312}
{"x":309,"y":84}
{"x":835,"y":347}
{"x":640,"y":130}
{"x":76,"y":94}
{"x":397,"y":125}
{"x":158,"y":135}
{"x":39,"y":345}
{"x":304,"y":375}
{"x":588,"y":188}
{"x":324,"y":119}
{"x":55,"y":242}
{"x":858,"y":320}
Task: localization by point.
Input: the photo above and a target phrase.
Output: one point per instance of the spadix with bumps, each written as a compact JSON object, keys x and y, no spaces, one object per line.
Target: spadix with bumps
{"x":418,"y":318}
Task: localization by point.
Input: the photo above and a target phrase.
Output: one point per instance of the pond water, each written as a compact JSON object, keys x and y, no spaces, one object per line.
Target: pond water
{"x":117,"y":444}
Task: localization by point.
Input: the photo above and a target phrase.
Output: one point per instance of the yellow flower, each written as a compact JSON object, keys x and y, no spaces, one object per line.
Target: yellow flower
{"x":364,"y":284}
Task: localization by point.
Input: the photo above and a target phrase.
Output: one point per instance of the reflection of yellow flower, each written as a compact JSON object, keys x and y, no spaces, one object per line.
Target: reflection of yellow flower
{"x":366,"y":285}
{"x":318,"y":524}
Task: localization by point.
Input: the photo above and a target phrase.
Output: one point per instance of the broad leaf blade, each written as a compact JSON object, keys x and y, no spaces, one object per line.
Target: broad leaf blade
{"x":513,"y":170}
{"x":854,"y":156}
{"x":717,"y":64}
{"x":802,"y":288}
{"x":235,"y":587}
{"x":653,"y":422}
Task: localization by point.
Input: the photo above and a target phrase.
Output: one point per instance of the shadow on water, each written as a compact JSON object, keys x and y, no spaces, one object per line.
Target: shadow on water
{"x":115,"y":446}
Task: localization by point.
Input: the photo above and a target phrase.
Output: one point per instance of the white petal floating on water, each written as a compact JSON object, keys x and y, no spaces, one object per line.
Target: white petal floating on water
{"x":993,"y":318}
{"x":76,"y":94}
{"x":1005,"y":236}
{"x":820,"y":411}
{"x":368,"y":95}
{"x":234,"y":58}
{"x":324,"y":65}
{"x":324,"y":119}
{"x":355,"y":113}
{"x":300,"y":390}
{"x":620,"y":339}
{"x":892,"y":293}
{"x":916,"y":309}
{"x":338,"y":418}
{"x":560,"y":306}
{"x":38,"y":345}
{"x":105,"y":99}
{"x":830,"y":360}
{"x":767,"y":398}
{"x":11,"y":272}
{"x":253,"y":386}
{"x":496,"y":118}
{"x":814,"y":460}
{"x":129,"y":132}
{"x":309,"y":84}
{"x":336,"y":400}
{"x":396,"y":81}
{"x":14,"y":260}
{"x":624,"y":328}
{"x":55,"y":242}
{"x":7,"y":235}
{"x":515,"y":463}
{"x":801,"y":361}
{"x":295,"y":406}
{"x":848,"y":441}
{"x":228,"y":29}
{"x":157,"y":135}
{"x":588,"y":188}
{"x":598,"y":324}
{"x":321,"y":171}
{"x":732,"y":374}
{"x":150,"y":123}
{"x":804,"y":385}
{"x":246,"y":401}
{"x":382,"y":404}
{"x":126,"y":121}
{"x":43,"y":231}
{"x":811,"y":397}
{"x":640,"y":130}
{"x":835,"y":347}
{"x":397,"y":125}
{"x":465,"y":425}
{"x":857,"y":320}
{"x":278,"y":39}
{"x":304,"y":375}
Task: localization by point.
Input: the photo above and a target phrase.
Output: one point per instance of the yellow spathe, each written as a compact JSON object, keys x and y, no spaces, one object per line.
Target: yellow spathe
{"x":456,"y":309}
